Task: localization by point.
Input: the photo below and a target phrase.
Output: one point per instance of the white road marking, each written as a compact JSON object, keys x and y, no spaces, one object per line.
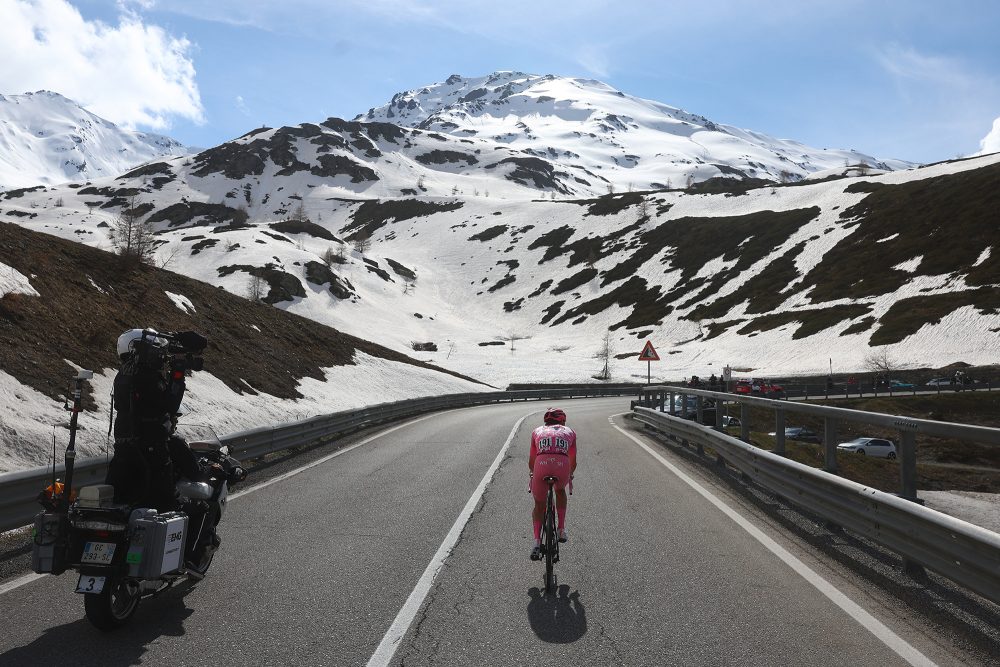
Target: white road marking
{"x":903,"y":648}
{"x":390,"y":642}
{"x":20,"y":581}
{"x":291,"y":473}
{"x":28,"y":578}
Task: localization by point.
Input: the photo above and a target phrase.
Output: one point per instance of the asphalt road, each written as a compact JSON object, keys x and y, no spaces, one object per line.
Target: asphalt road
{"x":315,"y":568}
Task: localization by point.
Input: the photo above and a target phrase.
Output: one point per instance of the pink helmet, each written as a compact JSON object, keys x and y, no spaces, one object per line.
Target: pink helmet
{"x":554,"y":416}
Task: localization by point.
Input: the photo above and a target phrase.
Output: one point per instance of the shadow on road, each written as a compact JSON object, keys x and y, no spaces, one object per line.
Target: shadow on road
{"x":557,"y":619}
{"x":80,"y":643}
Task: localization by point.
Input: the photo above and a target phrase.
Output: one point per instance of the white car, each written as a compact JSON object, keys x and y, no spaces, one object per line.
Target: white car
{"x":939,"y":382}
{"x":879,"y":447}
{"x":730,"y":421}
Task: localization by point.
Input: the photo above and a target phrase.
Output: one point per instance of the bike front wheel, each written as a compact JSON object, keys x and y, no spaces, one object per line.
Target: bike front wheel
{"x":550,"y":548}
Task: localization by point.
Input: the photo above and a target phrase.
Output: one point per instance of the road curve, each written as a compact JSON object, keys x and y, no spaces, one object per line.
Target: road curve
{"x":316,"y":567}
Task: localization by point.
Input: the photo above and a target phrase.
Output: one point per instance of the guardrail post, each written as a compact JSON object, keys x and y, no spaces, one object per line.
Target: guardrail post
{"x":720,"y":406}
{"x":744,"y":422}
{"x":670,"y":406}
{"x":699,"y":411}
{"x":830,"y":444}
{"x":779,"y":431}
{"x":908,"y":464}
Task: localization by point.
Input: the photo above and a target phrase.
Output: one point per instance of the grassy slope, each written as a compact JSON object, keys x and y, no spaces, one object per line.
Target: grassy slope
{"x":74,"y":320}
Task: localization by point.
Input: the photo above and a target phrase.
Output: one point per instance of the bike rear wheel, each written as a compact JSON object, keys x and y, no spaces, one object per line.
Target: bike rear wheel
{"x":114,"y":606}
{"x":551,"y":544}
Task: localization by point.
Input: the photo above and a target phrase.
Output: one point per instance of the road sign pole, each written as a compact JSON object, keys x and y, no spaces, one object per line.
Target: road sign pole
{"x":649,"y":366}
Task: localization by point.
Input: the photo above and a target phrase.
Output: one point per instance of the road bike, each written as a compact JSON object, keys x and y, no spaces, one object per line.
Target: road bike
{"x":550,"y":538}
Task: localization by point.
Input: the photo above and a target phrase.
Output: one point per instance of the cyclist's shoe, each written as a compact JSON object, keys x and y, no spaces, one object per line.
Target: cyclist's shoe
{"x":536,"y":552}
{"x":562,"y":535}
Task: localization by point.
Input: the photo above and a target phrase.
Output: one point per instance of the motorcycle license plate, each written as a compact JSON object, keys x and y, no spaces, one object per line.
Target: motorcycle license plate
{"x":89,"y":584}
{"x":99,"y":553}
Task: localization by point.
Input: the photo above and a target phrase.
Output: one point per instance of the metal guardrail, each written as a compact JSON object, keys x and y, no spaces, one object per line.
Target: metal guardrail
{"x":19,"y":490}
{"x":908,"y":427}
{"x":967,"y":554}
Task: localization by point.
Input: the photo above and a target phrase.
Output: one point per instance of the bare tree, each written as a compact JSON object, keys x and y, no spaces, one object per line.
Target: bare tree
{"x":299,"y":213}
{"x":604,"y":354}
{"x":131,"y":236}
{"x":408,"y":287}
{"x":512,"y":336}
{"x":863,"y":168}
{"x":255,"y":288}
{"x":643,"y":209}
{"x":331,"y":256}
{"x":881,"y":364}
{"x":362,"y":243}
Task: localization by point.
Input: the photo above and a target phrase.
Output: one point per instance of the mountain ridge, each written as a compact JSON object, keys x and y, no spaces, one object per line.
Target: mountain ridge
{"x":46,"y":139}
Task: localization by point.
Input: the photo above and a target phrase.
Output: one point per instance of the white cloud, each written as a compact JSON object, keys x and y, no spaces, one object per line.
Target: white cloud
{"x":595,"y":60}
{"x":908,"y":64}
{"x":991,"y":142}
{"x":241,"y":105}
{"x":132,"y":74}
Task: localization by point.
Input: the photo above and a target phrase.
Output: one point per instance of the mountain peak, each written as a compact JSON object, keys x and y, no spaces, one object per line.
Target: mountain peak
{"x":47,"y":138}
{"x":620,"y":139}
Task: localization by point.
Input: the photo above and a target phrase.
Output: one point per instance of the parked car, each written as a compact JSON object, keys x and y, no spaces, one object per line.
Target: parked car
{"x":880,"y":447}
{"x":939,"y":382}
{"x":758,"y":387}
{"x":898,"y":385}
{"x":801,"y":434}
{"x":730,"y":421}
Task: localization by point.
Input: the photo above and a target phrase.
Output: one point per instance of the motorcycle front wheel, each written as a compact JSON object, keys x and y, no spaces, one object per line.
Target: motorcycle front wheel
{"x":114,"y":606}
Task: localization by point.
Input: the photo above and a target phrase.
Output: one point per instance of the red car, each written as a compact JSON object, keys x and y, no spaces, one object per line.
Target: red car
{"x":758,"y":387}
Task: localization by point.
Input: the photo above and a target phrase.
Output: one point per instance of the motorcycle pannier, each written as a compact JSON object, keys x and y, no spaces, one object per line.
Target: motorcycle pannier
{"x":157,"y":544}
{"x":48,"y":544}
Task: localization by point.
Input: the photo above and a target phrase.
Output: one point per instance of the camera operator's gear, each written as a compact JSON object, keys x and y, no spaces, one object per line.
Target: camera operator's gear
{"x":147,"y":396}
{"x":129,"y":340}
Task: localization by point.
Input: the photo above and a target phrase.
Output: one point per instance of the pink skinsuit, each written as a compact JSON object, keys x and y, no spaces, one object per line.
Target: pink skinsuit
{"x":553,"y":452}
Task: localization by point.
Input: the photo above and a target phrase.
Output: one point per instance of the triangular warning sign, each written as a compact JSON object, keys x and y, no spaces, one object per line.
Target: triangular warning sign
{"x":648,"y":353}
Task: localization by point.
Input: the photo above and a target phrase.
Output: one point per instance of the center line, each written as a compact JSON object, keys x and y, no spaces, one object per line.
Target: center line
{"x":387,"y":647}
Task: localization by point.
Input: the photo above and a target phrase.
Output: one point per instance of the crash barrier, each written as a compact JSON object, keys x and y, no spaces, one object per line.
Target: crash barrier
{"x":851,"y":390}
{"x":19,"y":490}
{"x":967,"y":554}
{"x":907,"y":427}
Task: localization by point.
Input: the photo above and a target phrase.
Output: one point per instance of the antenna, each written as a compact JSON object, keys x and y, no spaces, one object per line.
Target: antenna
{"x":53,"y":459}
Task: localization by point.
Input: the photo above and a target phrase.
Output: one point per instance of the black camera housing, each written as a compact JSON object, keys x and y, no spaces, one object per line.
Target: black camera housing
{"x":181,"y":349}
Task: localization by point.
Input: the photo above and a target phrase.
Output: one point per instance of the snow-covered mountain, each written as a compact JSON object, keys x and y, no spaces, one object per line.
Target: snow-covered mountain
{"x":46,"y":138}
{"x":617,"y":140}
{"x":409,"y":235}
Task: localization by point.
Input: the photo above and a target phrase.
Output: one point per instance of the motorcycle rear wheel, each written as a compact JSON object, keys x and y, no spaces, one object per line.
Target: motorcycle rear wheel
{"x":114,"y":606}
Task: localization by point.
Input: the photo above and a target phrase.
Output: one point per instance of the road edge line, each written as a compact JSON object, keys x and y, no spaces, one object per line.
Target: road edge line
{"x":897,"y":644}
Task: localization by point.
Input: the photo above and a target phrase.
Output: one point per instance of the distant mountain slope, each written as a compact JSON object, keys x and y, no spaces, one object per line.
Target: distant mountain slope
{"x":779,"y":278}
{"x":46,"y":138}
{"x":624,"y":142}
{"x":63,"y":305}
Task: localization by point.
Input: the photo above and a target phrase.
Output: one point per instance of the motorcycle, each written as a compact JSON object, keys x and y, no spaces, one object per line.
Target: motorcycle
{"x":123,"y":553}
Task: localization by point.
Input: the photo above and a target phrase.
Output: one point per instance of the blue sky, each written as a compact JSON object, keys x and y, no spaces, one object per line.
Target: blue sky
{"x":907,"y":79}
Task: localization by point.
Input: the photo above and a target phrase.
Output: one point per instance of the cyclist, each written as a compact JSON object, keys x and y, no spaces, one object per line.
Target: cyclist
{"x":553,"y":454}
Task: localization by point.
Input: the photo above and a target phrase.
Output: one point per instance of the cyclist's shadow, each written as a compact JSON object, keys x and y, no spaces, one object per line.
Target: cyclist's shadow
{"x":557,"y":619}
